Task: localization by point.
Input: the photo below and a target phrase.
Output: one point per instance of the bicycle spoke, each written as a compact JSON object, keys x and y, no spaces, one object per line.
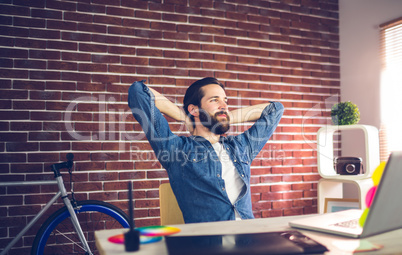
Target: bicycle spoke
{"x":71,"y":240}
{"x":64,"y":234}
{"x":62,"y":238}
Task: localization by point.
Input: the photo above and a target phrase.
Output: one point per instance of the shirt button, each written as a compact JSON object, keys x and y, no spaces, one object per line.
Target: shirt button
{"x":242,"y":175}
{"x":223,"y":189}
{"x":194,"y":160}
{"x":227,"y":148}
{"x":218,"y":175}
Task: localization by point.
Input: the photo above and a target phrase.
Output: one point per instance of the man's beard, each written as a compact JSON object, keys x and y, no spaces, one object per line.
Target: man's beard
{"x":213,"y":124}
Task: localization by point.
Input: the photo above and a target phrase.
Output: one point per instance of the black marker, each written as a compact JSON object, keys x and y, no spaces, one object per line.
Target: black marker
{"x":132,"y":237}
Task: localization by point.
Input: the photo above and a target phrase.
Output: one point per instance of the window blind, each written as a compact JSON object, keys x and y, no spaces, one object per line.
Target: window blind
{"x":391,"y":87}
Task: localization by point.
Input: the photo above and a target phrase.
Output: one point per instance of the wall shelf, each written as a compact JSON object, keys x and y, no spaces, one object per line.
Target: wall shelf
{"x":331,"y":184}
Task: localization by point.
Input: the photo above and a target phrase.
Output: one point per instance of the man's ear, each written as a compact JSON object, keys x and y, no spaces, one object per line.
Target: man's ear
{"x":193,"y":110}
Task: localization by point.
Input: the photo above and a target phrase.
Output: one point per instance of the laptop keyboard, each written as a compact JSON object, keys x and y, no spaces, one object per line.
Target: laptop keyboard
{"x":348,"y":224}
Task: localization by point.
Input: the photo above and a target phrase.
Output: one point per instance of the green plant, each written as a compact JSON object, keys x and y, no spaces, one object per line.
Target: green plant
{"x":345,"y":113}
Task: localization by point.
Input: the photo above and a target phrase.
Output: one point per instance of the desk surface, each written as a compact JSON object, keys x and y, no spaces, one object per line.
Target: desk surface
{"x":336,"y":245}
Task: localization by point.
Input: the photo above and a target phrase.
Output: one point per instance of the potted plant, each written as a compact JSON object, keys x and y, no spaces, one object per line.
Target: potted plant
{"x":345,"y":113}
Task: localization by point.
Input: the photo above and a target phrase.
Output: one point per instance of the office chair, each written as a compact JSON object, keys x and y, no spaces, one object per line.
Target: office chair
{"x":169,"y":209}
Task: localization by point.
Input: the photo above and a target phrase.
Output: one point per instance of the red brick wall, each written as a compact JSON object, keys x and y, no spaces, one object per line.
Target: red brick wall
{"x":65,"y":67}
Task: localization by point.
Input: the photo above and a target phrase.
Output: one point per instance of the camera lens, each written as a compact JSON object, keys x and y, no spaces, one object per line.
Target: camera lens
{"x":350,"y":168}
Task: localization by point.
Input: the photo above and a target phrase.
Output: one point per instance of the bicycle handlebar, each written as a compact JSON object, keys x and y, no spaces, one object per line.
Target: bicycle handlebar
{"x":68,"y":164}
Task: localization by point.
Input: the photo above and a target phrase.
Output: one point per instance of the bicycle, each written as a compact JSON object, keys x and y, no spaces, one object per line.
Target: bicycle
{"x":71,"y":228}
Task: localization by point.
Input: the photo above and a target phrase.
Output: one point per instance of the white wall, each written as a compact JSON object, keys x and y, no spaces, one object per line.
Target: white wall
{"x":360,"y":64}
{"x":360,"y":60}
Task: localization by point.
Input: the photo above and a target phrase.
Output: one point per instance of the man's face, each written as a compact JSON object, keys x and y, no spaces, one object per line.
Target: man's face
{"x":214,"y":110}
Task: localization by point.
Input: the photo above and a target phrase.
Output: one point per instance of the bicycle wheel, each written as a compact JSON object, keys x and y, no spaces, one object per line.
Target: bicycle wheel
{"x":57,"y":235}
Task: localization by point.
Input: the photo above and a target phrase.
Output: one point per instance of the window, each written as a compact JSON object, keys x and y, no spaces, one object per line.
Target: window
{"x":391,"y":87}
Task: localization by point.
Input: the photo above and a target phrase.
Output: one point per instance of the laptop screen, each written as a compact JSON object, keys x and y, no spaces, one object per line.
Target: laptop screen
{"x":386,"y":209}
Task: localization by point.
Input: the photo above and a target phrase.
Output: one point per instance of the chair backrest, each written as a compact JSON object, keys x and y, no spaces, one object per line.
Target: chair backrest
{"x":169,"y":209}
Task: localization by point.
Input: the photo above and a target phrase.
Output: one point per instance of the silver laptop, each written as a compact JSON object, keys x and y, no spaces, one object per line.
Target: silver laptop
{"x":384,"y":215}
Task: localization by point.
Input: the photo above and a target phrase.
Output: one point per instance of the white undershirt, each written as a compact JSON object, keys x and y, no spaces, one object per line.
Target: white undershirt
{"x":233,"y":183}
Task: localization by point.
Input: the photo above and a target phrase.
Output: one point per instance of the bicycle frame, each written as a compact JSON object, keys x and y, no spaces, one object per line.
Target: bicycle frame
{"x":61,"y":193}
{"x":36,"y":218}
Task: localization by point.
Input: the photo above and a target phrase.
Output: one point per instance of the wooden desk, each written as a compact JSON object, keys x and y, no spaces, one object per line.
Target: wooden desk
{"x":392,"y":241}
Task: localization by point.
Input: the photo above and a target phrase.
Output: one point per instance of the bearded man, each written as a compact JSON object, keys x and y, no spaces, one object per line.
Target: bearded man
{"x":209,"y":172}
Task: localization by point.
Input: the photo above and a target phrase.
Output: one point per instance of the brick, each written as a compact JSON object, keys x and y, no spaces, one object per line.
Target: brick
{"x":148,"y":15}
{"x":174,"y":17}
{"x":40,"y":136}
{"x":189,"y":64}
{"x":55,"y":146}
{"x":103,"y":176}
{"x":14,"y":115}
{"x":5,"y":104}
{"x":225,"y":75}
{"x":18,"y":146}
{"x":89,"y":166}
{"x":4,"y":126}
{"x":146,"y":203}
{"x":37,"y":199}
{"x":272,"y":213}
{"x":12,"y":157}
{"x":161,"y":62}
{"x":268,"y":179}
{"x":34,"y":105}
{"x":303,"y":203}
{"x":310,"y":193}
{"x":87,"y":186}
{"x":157,"y":174}
{"x":281,"y":187}
{"x":147,"y":33}
{"x":6,"y":63}
{"x":44,"y":75}
{"x":104,"y":156}
{"x":43,"y":157}
{"x":103,"y":196}
{"x":30,"y":64}
{"x":62,"y":25}
{"x":13,"y":73}
{"x":175,"y":36}
{"x":132,"y":175}
{"x":29,"y":22}
{"x":281,"y":204}
{"x":224,"y":40}
{"x":262,"y":206}
{"x":304,"y":186}
{"x":293,"y":211}
{"x":119,"y":11}
{"x":163,"y":26}
{"x":168,"y":41}
{"x":51,"y":14}
{"x":119,"y":165}
{"x":92,"y":47}
{"x":46,"y":116}
{"x":205,"y":38}
{"x":149,"y":52}
{"x":22,"y":210}
{"x":260,"y":189}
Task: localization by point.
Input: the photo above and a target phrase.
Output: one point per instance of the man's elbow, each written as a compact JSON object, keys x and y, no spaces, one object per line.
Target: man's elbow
{"x":279,"y":107}
{"x":275,"y":108}
{"x":134,"y":92}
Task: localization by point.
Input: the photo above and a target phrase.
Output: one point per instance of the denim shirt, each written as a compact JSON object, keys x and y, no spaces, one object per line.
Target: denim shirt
{"x":193,"y":167}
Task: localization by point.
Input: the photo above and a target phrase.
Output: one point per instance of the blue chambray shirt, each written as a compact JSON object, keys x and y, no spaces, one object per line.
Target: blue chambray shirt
{"x":193,"y":167}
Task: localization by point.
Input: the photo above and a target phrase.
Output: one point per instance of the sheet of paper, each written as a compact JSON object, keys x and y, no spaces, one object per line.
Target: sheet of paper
{"x":356,"y":246}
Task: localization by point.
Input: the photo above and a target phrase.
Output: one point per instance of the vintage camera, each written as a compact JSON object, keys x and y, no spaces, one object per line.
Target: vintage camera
{"x":348,"y":165}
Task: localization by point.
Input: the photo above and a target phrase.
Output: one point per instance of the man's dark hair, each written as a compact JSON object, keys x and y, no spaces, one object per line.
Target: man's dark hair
{"x":194,"y":93}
